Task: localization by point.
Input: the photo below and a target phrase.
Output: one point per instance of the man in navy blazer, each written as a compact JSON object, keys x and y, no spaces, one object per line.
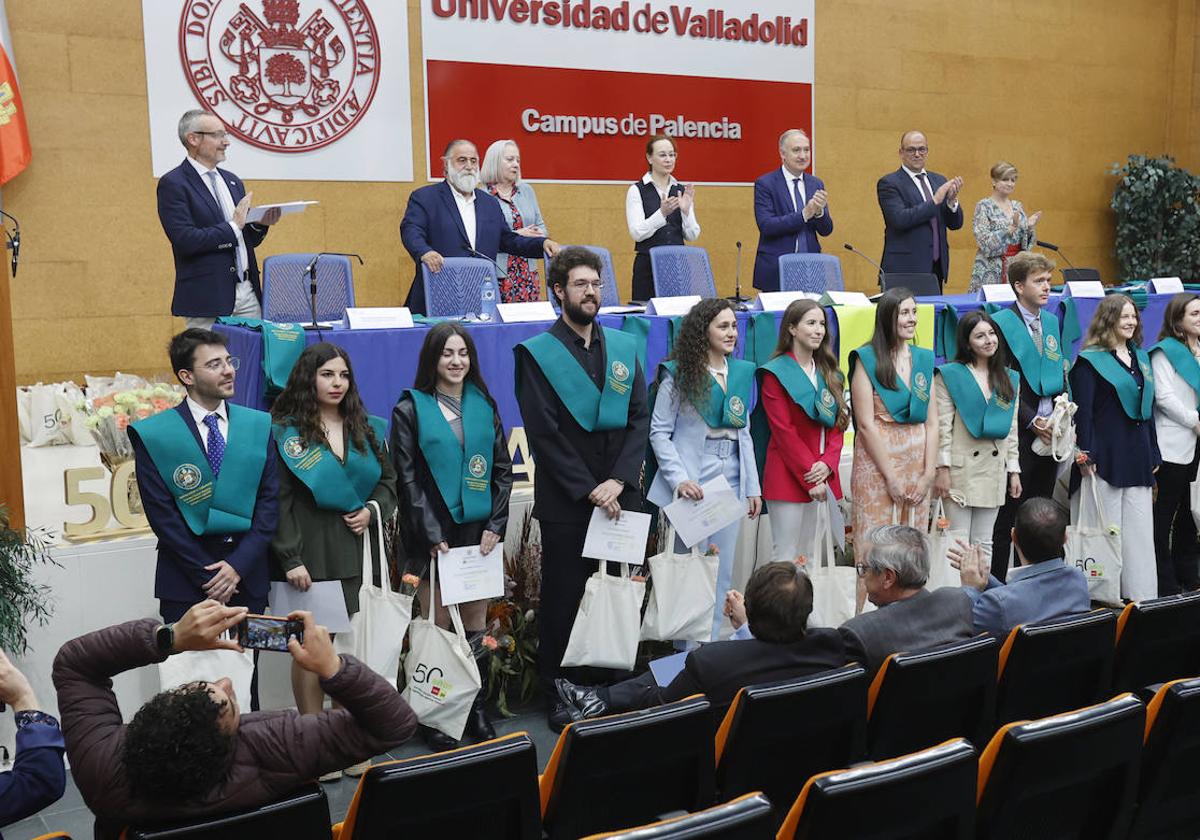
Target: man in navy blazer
{"x":791,"y":208}
{"x":454,"y":218}
{"x":230,"y":568}
{"x":1043,"y":586}
{"x":918,"y":208}
{"x":203,"y":212}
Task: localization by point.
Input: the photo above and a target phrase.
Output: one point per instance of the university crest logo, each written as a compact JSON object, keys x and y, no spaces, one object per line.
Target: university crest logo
{"x":477,"y":466}
{"x":283,"y":75}
{"x":736,"y":407}
{"x":186,"y":476}
{"x":619,"y":371}
{"x":827,"y":398}
{"x":294,"y":446}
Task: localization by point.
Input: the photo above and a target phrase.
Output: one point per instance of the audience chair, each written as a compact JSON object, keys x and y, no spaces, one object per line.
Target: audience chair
{"x":921,"y":285}
{"x":287,"y":297}
{"x":1168,"y":805}
{"x":54,"y":835}
{"x":1069,"y":775}
{"x":610,"y":295}
{"x":816,"y":273}
{"x":624,"y":770}
{"x":455,"y":290}
{"x":775,"y":736}
{"x":681,"y":270}
{"x":488,"y":790}
{"x":745,"y":818}
{"x":302,"y":815}
{"x":1157,"y":640}
{"x":926,"y":697}
{"x":1057,"y":665}
{"x":928,"y":795}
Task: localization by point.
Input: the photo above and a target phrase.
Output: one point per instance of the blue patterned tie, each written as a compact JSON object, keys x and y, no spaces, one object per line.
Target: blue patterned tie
{"x":216,"y":445}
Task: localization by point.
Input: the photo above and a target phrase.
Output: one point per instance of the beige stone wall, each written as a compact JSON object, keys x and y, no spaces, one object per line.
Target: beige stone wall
{"x":1060,"y":89}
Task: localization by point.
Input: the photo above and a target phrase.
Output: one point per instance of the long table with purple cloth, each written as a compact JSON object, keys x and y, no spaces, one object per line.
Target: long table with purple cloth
{"x":385,"y":360}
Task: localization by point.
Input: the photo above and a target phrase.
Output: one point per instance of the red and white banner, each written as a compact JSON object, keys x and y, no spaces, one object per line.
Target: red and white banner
{"x":581,"y":84}
{"x":15,"y":151}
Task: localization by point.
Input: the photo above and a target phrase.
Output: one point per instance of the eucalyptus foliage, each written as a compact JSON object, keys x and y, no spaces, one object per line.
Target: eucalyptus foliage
{"x":22,"y":601}
{"x":1158,"y":219}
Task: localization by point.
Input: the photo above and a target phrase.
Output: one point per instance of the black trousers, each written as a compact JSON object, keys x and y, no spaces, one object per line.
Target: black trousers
{"x":643,"y":278}
{"x":1038,"y":474}
{"x":1175,"y":549}
{"x":640,"y":692}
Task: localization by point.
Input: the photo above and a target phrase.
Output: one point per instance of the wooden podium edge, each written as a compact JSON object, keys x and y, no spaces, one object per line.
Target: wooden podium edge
{"x":12,"y":494}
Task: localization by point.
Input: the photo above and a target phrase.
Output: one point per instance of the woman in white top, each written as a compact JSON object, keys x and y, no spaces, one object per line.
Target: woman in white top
{"x":659,"y":211}
{"x":1176,"y":364}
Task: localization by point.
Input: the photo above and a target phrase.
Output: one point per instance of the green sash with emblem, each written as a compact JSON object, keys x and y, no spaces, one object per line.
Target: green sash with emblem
{"x":461,"y":471}
{"x":904,"y":404}
{"x":1137,"y":406}
{"x":593,"y":409}
{"x":344,"y":487}
{"x":817,"y":401}
{"x":221,"y":506}
{"x":1182,"y":360}
{"x":726,"y":409}
{"x":1044,"y":371}
{"x":990,"y":420}
{"x":282,"y":346}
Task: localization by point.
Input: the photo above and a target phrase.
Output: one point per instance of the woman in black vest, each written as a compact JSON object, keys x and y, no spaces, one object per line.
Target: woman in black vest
{"x":659,"y":211}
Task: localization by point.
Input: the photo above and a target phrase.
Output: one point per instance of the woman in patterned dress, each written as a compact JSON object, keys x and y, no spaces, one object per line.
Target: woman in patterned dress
{"x":1001,"y":228}
{"x":501,"y":172}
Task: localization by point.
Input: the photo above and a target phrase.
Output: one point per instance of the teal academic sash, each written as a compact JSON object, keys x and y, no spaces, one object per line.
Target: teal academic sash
{"x":817,"y":400}
{"x":1044,"y":372}
{"x":461,"y":471}
{"x":282,"y":346}
{"x":593,"y":409}
{"x":223,"y":506}
{"x":990,"y":420}
{"x":726,"y":408}
{"x":344,"y":487}
{"x":904,"y":404}
{"x":1137,"y":406}
{"x":1182,"y":360}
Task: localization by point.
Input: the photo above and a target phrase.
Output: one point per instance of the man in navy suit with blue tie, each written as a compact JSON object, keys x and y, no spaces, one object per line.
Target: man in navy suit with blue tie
{"x":791,"y":209}
{"x":918,"y":208}
{"x":206,"y":472}
{"x":454,"y":218}
{"x":203,"y":211}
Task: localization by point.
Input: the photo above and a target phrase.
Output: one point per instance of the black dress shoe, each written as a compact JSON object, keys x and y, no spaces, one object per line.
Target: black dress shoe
{"x":437,"y":740}
{"x":559,"y":715}
{"x":478,"y":725}
{"x":581,"y":698}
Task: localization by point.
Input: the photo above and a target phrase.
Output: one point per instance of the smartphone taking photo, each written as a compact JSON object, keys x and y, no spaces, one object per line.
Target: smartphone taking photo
{"x":269,"y":632}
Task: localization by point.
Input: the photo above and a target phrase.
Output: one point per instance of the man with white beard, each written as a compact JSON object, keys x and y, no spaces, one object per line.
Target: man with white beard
{"x":454,"y":218}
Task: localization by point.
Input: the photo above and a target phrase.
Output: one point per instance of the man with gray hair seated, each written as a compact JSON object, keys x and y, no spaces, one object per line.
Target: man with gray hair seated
{"x":895,"y":567}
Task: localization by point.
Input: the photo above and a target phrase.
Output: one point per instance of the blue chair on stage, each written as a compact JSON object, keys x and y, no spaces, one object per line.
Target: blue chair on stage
{"x":609,"y":295}
{"x":815,"y":273}
{"x":681,"y":270}
{"x":454,"y":291}
{"x":285,"y":288}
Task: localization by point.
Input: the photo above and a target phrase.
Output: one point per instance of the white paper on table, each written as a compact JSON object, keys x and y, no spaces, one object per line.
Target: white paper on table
{"x":530,"y":310}
{"x":378,"y":317}
{"x":465,"y":574}
{"x":667,"y":668}
{"x":323,"y":599}
{"x":779,"y":301}
{"x":673,"y":305}
{"x":620,"y":540}
{"x":694,"y":521}
{"x":287,"y":208}
{"x":621,"y":309}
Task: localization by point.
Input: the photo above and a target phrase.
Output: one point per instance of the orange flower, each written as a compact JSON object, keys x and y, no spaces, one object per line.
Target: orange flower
{"x":490,"y":642}
{"x":160,"y":404}
{"x":801,"y":560}
{"x":122,"y":421}
{"x":943,"y":523}
{"x":410,"y":579}
{"x":143,"y":413}
{"x":1081,"y":458}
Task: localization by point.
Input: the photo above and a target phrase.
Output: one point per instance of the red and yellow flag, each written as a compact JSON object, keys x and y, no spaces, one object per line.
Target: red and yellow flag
{"x":15,"y":151}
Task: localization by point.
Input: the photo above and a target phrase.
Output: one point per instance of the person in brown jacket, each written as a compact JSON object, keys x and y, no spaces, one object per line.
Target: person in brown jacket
{"x":131,"y":774}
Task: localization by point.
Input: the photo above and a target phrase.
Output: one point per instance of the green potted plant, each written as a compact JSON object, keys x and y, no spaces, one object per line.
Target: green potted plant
{"x":1158,"y":219}
{"x":22,"y":600}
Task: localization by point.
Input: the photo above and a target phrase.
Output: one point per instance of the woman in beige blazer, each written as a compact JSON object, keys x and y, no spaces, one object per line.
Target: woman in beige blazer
{"x":977,"y":431}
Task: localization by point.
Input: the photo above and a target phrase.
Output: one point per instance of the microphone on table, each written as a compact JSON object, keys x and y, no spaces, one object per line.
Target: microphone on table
{"x":739,"y":302}
{"x":503,"y":268}
{"x":1050,"y":246}
{"x":852,"y":249}
{"x":14,"y":240}
{"x":311,"y":271}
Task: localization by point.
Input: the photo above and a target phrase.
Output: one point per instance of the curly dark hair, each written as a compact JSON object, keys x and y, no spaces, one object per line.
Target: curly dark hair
{"x":297,"y":405}
{"x":823,"y":356}
{"x":175,"y":747}
{"x":690,"y":352}
{"x":997,"y":365}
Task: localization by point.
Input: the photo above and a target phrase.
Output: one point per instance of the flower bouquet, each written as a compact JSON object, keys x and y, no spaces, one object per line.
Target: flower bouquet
{"x":511,"y":640}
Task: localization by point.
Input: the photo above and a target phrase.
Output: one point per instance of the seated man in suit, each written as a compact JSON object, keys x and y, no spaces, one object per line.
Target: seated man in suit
{"x":454,"y":218}
{"x":918,"y":208}
{"x":791,"y":208}
{"x":910,"y":617}
{"x":778,"y":600}
{"x":1042,"y":587}
{"x":206,"y":471}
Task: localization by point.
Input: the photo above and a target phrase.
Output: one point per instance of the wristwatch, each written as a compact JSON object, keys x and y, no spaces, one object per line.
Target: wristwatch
{"x":164,"y":639}
{"x":31,"y":716}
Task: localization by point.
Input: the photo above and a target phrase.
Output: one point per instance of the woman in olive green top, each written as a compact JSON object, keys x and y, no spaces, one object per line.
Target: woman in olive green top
{"x":335,"y":462}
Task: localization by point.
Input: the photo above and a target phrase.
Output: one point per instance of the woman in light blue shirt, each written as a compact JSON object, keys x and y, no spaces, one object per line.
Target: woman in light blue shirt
{"x":501,"y":172}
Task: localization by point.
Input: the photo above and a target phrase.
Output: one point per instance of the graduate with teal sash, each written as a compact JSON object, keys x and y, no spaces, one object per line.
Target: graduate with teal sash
{"x":455,"y":477}
{"x":207,"y":476}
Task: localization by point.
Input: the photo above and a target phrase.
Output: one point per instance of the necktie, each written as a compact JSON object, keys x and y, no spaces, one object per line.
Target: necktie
{"x":227,"y":211}
{"x":1035,"y":330}
{"x":933,"y":223}
{"x":799,"y":199}
{"x":216,"y":445}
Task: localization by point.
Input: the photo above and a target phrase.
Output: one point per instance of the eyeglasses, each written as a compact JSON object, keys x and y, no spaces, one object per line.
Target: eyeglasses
{"x":216,"y":365}
{"x":220,"y":135}
{"x":598,"y":285}
{"x":915,"y":150}
{"x":861,"y":569}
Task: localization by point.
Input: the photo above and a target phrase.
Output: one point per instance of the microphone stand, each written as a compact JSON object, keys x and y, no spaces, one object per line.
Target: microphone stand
{"x":1050,"y":246}
{"x":311,"y":271}
{"x":739,"y":302}
{"x":852,"y":249}
{"x":13,"y":240}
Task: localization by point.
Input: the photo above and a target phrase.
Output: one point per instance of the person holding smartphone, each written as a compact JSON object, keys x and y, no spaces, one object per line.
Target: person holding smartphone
{"x":659,"y":211}
{"x":333,"y":462}
{"x":38,"y":777}
{"x":451,"y":455}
